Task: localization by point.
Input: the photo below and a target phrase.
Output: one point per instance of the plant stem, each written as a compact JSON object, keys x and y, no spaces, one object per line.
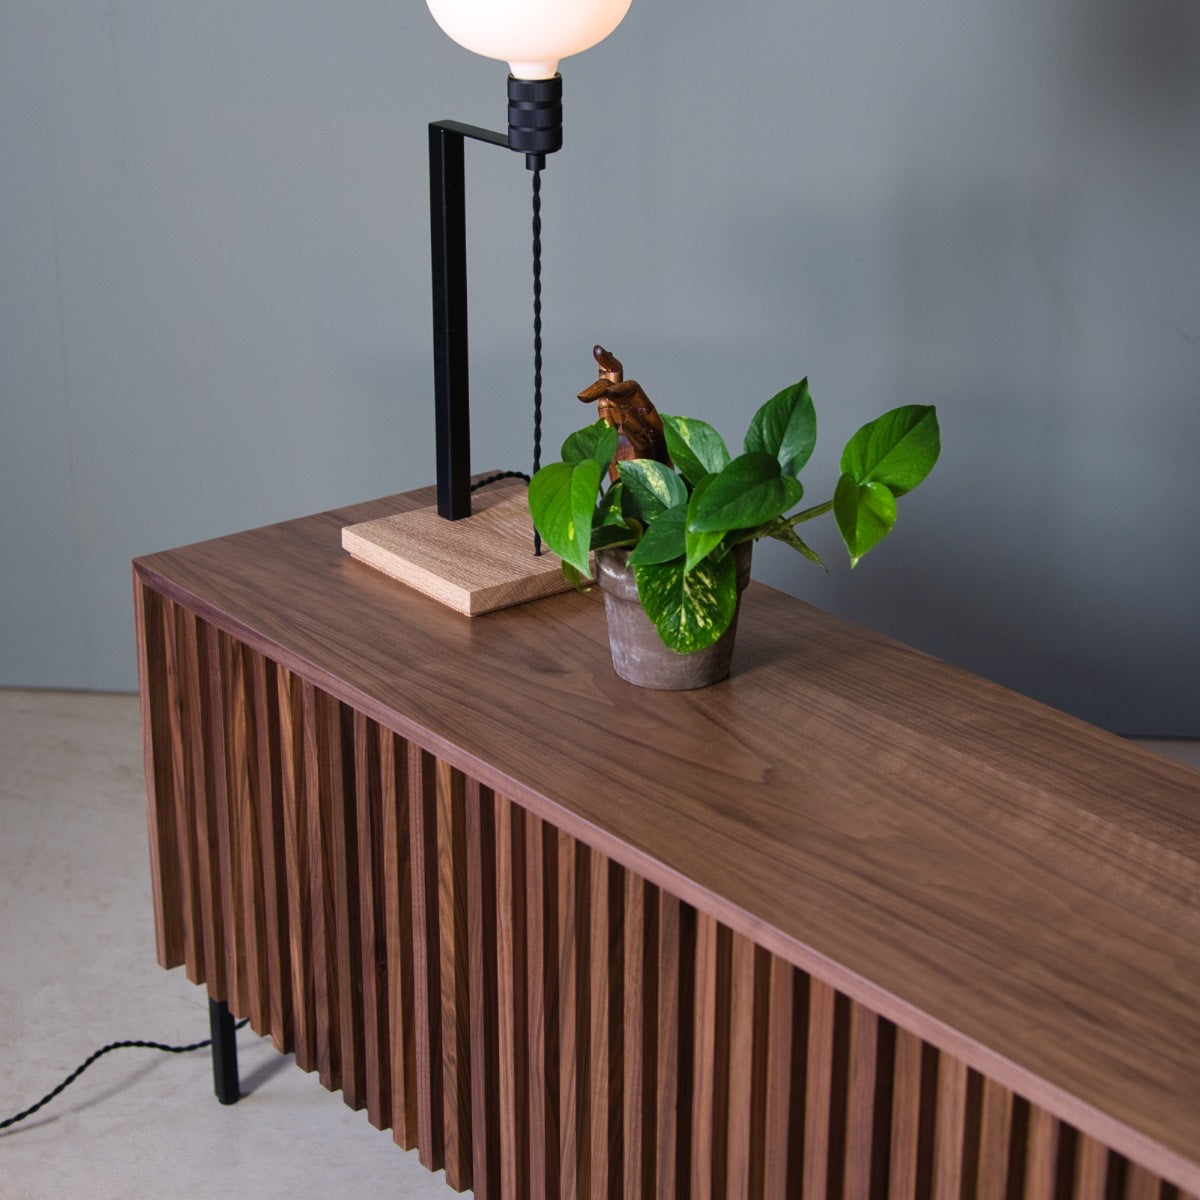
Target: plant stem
{"x":808,"y":514}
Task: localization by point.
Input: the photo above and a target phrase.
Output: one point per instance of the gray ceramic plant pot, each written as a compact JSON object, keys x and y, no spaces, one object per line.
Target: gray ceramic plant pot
{"x":639,"y":655}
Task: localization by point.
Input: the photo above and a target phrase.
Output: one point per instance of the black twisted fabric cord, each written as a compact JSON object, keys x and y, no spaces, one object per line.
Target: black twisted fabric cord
{"x":537,"y":336}
{"x":537,"y":357}
{"x":499,"y":475}
{"x":79,"y":1070}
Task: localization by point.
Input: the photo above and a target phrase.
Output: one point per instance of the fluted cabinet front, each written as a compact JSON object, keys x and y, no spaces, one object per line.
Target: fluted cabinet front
{"x":516,"y":1006}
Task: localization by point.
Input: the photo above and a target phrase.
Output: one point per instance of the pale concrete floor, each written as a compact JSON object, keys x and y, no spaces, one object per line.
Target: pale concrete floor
{"x":77,"y":970}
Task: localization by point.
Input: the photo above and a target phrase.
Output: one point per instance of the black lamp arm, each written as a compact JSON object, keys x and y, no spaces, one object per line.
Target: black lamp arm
{"x":535,"y":129}
{"x":451,"y":378}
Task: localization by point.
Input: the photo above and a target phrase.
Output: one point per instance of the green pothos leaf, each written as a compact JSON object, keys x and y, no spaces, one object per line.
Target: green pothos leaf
{"x":690,"y":609}
{"x":665,"y":538}
{"x":579,"y":582}
{"x":696,"y":448}
{"x":608,"y":509}
{"x":865,"y":514}
{"x":747,"y":493}
{"x":650,"y":487}
{"x":785,"y":427}
{"x":610,"y":527}
{"x":609,"y":537}
{"x":699,"y":543}
{"x":562,"y":498}
{"x":597,"y":442}
{"x":897,"y":449}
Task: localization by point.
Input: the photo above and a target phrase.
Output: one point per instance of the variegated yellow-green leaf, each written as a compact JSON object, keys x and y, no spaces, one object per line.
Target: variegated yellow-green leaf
{"x":690,"y":609}
{"x":696,"y":448}
{"x":608,"y":510}
{"x":650,"y":487}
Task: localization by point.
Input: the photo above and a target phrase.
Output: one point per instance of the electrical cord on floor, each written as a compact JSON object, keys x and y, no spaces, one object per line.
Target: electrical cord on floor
{"x":79,"y":1070}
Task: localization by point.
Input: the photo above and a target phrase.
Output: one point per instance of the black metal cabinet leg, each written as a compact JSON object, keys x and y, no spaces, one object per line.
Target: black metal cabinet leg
{"x":224,"y":1052}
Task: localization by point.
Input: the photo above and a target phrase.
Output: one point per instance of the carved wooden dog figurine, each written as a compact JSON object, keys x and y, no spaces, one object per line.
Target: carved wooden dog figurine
{"x":623,"y":405}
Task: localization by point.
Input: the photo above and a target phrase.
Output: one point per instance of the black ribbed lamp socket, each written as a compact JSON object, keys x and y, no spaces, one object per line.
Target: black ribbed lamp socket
{"x":535,"y":118}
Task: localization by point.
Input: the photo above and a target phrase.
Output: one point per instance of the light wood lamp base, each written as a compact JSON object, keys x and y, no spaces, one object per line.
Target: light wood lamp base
{"x":474,"y":566}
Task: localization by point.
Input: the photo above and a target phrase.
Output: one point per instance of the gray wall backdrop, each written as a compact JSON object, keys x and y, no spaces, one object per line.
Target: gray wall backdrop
{"x":214,"y":294}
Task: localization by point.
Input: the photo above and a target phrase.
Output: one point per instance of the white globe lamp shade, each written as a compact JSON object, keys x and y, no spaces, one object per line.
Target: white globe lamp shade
{"x":530,"y":35}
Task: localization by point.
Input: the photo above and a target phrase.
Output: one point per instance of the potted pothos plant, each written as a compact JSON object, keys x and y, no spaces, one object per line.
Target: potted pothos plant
{"x":678,"y":533}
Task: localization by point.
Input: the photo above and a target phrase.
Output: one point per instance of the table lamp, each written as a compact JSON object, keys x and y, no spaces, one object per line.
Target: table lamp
{"x":483,"y":557}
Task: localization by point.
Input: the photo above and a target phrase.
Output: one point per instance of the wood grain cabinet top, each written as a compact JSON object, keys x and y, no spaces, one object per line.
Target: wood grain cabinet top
{"x":1018,"y":888}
